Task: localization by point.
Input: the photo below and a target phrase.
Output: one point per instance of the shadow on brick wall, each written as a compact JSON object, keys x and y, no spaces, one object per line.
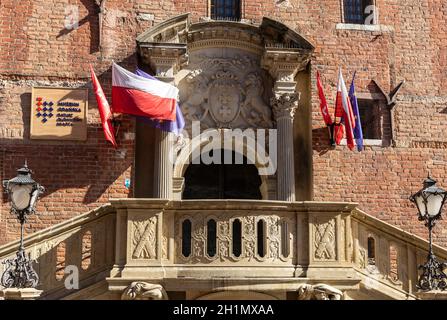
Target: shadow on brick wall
{"x":74,"y":172}
{"x":321,"y":141}
{"x":92,"y":18}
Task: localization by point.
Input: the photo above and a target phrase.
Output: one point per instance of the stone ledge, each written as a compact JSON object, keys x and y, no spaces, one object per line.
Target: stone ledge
{"x":364,"y":27}
{"x":432,"y":295}
{"x":368,"y":143}
{"x":20,"y":294}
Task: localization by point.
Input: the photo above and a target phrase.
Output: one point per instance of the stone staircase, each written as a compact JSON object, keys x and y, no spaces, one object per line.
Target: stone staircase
{"x":279,"y":247}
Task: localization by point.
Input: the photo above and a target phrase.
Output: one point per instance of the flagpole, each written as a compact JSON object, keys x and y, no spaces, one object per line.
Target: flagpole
{"x":325,"y":110}
{"x":116,"y":123}
{"x":334,"y":125}
{"x":331,"y":129}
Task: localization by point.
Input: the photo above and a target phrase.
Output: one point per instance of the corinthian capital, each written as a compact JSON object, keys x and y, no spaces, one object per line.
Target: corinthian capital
{"x":285,"y":104}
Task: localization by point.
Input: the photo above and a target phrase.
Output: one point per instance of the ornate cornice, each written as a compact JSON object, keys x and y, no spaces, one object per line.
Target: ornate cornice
{"x":285,"y":62}
{"x":169,"y":31}
{"x":165,"y":59}
{"x":281,"y":48}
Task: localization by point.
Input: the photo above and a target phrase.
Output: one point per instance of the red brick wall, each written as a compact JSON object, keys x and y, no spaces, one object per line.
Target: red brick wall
{"x":36,"y":50}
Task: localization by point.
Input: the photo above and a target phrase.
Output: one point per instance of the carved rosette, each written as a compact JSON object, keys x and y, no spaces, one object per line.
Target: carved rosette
{"x":144,"y":238}
{"x":284,"y":105}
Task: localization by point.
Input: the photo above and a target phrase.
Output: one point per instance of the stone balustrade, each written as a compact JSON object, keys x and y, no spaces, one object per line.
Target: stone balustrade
{"x":82,"y":247}
{"x":180,"y":244}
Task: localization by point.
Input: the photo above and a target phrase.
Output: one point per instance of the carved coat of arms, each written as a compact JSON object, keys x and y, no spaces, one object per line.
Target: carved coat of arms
{"x":225,"y":93}
{"x":225,"y":98}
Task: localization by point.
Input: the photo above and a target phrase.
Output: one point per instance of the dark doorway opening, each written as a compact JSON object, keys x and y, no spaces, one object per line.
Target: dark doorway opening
{"x":222,"y":181}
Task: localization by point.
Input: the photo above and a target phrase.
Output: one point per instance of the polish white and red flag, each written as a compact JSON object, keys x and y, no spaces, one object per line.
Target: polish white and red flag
{"x":139,"y":96}
{"x":343,"y":108}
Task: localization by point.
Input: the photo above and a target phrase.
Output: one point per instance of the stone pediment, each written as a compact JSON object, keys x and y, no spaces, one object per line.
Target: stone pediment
{"x":228,"y":68}
{"x":278,"y":34}
{"x":168,"y":31}
{"x":269,"y":34}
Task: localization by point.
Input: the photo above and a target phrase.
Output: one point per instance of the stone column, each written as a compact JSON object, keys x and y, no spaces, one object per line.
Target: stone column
{"x":165,"y":60}
{"x":284,"y":106}
{"x":283,"y":65}
{"x":162,"y":164}
{"x":164,"y":141}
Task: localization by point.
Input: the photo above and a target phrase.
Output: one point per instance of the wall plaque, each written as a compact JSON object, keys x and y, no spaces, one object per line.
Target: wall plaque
{"x":59,"y":113}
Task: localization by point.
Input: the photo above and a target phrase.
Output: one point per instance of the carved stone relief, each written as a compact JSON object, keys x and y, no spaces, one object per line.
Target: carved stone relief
{"x":324,"y":240}
{"x":342,"y":239}
{"x":224,"y":239}
{"x":164,"y":239}
{"x":144,"y":238}
{"x":318,"y":292}
{"x":198,"y":241}
{"x":362,"y":258}
{"x":274,"y":237}
{"x":144,"y":291}
{"x":249,"y":236}
{"x":225,"y":92}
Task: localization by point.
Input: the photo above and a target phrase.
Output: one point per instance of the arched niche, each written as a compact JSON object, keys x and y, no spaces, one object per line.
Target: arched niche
{"x":257,"y":156}
{"x":221,"y":180}
{"x":227,"y":73}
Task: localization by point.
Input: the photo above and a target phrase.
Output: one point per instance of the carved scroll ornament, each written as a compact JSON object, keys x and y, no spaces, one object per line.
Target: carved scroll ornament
{"x":319,"y":292}
{"x":144,"y":291}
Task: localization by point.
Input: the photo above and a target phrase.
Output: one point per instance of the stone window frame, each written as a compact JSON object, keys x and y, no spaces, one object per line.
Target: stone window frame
{"x":385,"y":121}
{"x":377,"y":27}
{"x":343,"y":18}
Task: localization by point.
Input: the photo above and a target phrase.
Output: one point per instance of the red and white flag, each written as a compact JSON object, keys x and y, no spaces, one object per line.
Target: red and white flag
{"x":104,"y":110}
{"x":343,"y":107}
{"x":139,"y":96}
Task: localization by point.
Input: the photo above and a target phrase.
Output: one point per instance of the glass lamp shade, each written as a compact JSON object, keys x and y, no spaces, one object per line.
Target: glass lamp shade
{"x":429,"y":200}
{"x":435,"y":200}
{"x":419,"y":200}
{"x":21,"y":195}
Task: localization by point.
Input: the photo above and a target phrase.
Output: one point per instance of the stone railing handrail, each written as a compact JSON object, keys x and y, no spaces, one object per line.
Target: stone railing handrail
{"x":396,"y":233}
{"x":84,"y":243}
{"x":57,"y":230}
{"x":129,"y":239}
{"x":203,"y":205}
